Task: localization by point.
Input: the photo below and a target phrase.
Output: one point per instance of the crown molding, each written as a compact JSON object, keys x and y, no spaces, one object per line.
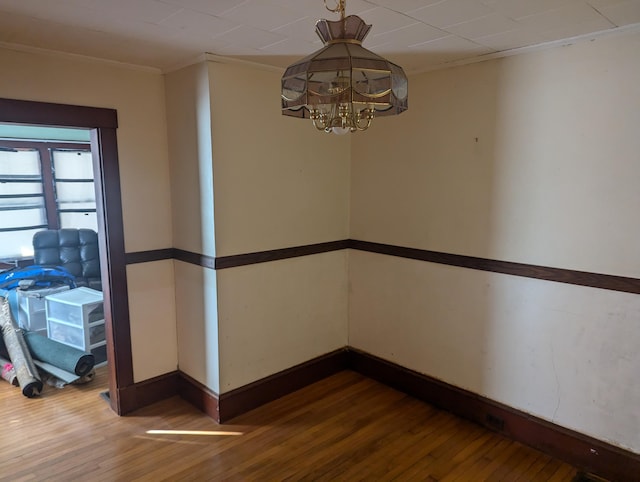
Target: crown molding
{"x":83,"y":58}
{"x":212,"y":57}
{"x":612,"y":32}
{"x":222,"y":59}
{"x":627,"y":29}
{"x":209,"y":57}
{"x":198,"y":59}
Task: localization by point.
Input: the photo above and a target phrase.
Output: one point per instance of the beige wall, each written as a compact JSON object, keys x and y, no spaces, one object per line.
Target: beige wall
{"x":272,"y":183}
{"x":277,"y":183}
{"x":276,"y":315}
{"x":534,"y":159}
{"x":197,"y":323}
{"x":153,"y":323}
{"x":189,"y":132}
{"x":138,"y":96}
{"x":189,"y":123}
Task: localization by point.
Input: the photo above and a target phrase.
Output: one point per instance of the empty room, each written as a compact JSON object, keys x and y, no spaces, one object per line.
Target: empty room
{"x":428,"y":268}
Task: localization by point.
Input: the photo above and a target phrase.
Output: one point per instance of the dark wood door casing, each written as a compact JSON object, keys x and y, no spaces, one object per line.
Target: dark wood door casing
{"x":104,"y":147}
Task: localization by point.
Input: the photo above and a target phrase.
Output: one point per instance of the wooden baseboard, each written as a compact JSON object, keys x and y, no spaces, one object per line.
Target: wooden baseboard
{"x":223,"y":408}
{"x":586,"y":453}
{"x":248,"y":397}
{"x":147,"y":392}
{"x":199,"y":396}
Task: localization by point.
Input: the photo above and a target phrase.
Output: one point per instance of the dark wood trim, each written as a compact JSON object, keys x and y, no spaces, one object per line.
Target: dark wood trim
{"x":278,"y":254}
{"x":103,"y":124}
{"x":147,"y":392}
{"x":60,"y":115}
{"x":580,"y":278}
{"x":559,"y":275}
{"x":586,"y":453}
{"x":149,"y":256}
{"x":253,"y":395}
{"x":36,"y":144}
{"x":236,"y":260}
{"x":223,"y":408}
{"x":199,"y":396}
{"x":104,"y":150}
{"x":194,"y":258}
{"x":48,"y":186}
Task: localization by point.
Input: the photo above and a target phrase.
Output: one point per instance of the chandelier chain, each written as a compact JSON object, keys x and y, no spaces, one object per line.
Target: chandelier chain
{"x":339,"y":8}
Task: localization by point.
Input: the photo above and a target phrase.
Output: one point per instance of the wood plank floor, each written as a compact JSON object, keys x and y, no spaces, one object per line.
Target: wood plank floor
{"x":346,"y":427}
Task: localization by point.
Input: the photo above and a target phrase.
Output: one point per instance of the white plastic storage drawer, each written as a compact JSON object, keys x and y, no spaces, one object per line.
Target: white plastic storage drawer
{"x":76,"y":307}
{"x":65,"y":333}
{"x":31,"y":310}
{"x":96,"y":333}
{"x":76,"y":336}
{"x":76,"y":318}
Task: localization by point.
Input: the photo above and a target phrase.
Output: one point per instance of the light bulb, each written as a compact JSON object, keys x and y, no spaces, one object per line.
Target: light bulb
{"x":340,"y":131}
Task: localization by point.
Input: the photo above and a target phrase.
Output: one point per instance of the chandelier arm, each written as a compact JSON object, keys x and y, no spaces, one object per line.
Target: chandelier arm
{"x":319,"y":120}
{"x":365,"y":127}
{"x":318,"y":125}
{"x":367,"y":118}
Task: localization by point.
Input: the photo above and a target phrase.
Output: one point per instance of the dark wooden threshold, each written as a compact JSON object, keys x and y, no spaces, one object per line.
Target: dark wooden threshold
{"x":586,"y":453}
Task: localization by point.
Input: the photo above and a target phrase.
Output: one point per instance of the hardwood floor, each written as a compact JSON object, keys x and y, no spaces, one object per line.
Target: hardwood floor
{"x":346,"y":427}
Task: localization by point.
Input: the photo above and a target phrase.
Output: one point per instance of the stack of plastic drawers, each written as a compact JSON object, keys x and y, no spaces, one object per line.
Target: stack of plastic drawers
{"x":31,"y":308}
{"x":76,"y":318}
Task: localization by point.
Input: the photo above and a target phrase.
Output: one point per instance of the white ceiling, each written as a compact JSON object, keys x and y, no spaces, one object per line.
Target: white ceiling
{"x":417,"y":34}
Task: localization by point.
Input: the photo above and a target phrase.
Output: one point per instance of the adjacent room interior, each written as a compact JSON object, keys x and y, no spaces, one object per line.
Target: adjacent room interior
{"x":50,"y":269}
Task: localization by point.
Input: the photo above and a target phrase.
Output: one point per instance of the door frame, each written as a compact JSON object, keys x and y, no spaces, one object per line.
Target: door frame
{"x":104,"y":149}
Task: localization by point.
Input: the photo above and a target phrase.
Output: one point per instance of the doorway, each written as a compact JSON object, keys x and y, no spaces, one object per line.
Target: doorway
{"x":102,"y":125}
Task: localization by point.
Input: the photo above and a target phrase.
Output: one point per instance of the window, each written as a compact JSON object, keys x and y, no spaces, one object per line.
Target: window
{"x":74,"y":190}
{"x":43,"y":185}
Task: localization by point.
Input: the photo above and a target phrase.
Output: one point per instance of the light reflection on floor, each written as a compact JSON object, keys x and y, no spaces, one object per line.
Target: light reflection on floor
{"x":193,"y":432}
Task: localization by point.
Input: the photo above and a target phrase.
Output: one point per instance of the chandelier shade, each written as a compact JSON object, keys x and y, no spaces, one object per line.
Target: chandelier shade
{"x":343,"y":86}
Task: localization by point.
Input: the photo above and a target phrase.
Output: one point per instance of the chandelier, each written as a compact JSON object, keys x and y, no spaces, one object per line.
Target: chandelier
{"x":343,"y":86}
